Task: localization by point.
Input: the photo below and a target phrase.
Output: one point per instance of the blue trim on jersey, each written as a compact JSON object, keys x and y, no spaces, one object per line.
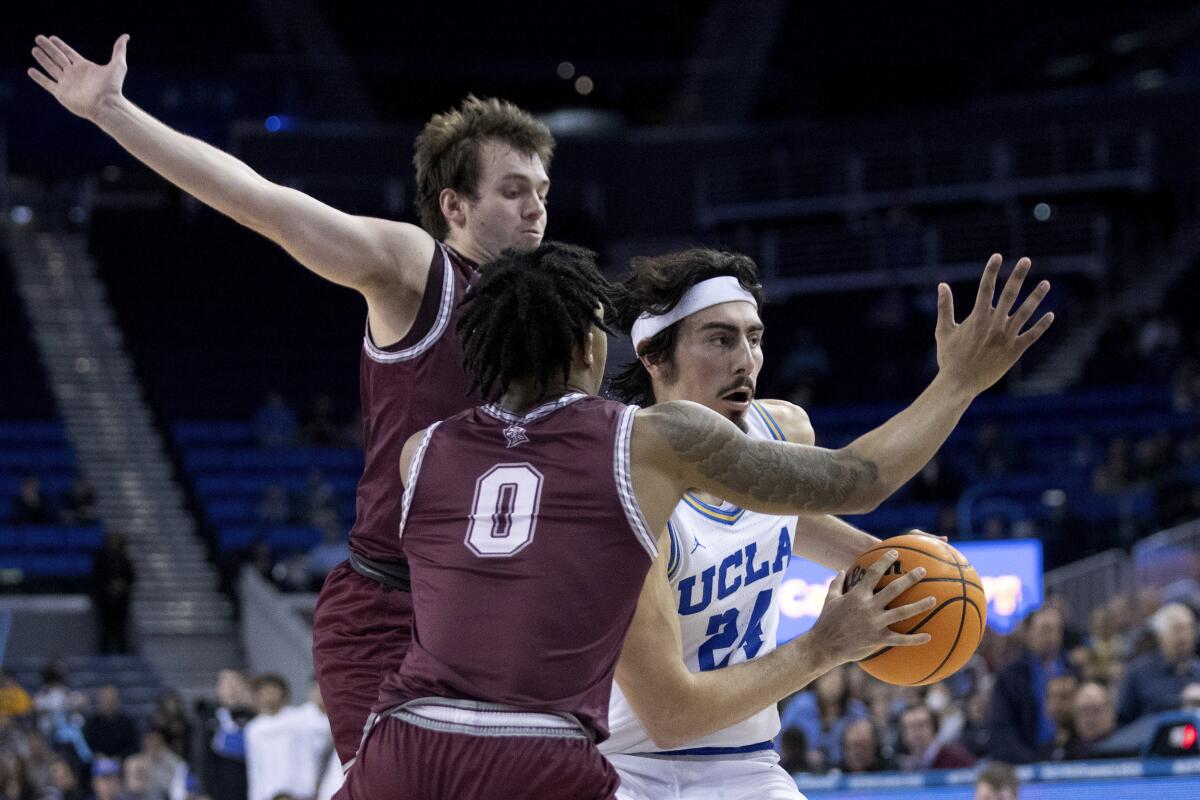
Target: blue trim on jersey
{"x":720,"y":751}
{"x":673,"y":558}
{"x":769,"y":421}
{"x":725,"y":516}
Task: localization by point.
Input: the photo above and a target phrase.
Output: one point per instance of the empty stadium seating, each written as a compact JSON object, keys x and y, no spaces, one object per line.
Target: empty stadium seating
{"x":231,"y":473}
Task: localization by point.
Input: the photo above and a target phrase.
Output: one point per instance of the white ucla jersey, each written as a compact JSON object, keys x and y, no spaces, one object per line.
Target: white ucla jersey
{"x":725,"y":567}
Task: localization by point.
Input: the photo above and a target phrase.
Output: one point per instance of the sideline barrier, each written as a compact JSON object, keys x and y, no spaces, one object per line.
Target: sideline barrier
{"x":1127,"y":777}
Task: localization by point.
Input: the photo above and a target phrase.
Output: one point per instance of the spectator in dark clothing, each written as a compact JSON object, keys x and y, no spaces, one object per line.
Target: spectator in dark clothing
{"x":1094,"y":717}
{"x":275,"y":423}
{"x":976,"y":733}
{"x":793,"y":751}
{"x":1154,"y":681}
{"x":1020,"y":725}
{"x":111,"y":731}
{"x":170,"y":719}
{"x":79,"y":506}
{"x":319,"y":429}
{"x":860,"y":749}
{"x":224,"y":767}
{"x":918,"y":732}
{"x":112,"y":590}
{"x":31,"y":506}
{"x":1060,"y":707}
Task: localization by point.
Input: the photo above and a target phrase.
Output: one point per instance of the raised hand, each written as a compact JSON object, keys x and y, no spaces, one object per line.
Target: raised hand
{"x":854,"y":624}
{"x":978,"y":351}
{"x":82,"y":86}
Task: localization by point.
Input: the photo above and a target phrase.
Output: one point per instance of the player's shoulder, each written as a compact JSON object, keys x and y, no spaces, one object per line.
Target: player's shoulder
{"x":672,"y":415}
{"x":409,"y":248}
{"x":665,"y":429}
{"x":791,"y":419}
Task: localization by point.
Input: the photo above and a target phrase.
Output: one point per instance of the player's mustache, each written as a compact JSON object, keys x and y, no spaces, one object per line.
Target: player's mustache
{"x":741,"y":383}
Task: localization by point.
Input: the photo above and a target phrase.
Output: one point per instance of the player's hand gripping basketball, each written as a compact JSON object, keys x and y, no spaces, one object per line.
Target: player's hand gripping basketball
{"x":82,"y":86}
{"x":854,"y":624}
{"x":976,"y":352}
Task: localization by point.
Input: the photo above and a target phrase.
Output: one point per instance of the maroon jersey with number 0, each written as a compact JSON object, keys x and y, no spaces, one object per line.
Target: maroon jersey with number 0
{"x":527,"y":552}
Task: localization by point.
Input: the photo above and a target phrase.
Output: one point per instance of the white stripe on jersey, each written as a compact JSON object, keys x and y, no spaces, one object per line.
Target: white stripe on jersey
{"x":725,"y":570}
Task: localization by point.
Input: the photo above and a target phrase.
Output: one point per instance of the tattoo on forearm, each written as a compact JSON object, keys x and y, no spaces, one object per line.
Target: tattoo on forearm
{"x":804,"y":480}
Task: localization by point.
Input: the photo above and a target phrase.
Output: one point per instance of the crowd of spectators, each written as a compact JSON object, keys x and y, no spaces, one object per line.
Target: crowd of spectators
{"x":60,"y":744}
{"x":1045,"y":693}
{"x":32,"y":506}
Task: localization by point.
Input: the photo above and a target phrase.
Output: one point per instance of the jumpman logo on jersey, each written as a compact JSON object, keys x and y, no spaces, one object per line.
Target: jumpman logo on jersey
{"x":515,"y":435}
{"x":696,"y":545}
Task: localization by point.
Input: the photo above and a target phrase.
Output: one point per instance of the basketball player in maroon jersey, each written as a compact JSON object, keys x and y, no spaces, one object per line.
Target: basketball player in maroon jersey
{"x":529,"y":526}
{"x":481,"y":188}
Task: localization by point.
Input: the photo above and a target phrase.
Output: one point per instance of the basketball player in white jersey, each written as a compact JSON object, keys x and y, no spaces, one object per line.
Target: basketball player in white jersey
{"x":693,"y":713}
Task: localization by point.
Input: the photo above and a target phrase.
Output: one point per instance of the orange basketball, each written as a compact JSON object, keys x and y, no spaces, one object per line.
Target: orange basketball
{"x":956,"y":621}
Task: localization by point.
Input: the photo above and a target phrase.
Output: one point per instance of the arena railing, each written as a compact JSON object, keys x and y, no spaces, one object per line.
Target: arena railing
{"x":789,"y":182}
{"x":1169,"y":556}
{"x":1091,"y":582}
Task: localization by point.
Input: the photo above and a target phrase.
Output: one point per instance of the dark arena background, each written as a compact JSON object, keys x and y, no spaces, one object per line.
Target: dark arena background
{"x":180,"y":435}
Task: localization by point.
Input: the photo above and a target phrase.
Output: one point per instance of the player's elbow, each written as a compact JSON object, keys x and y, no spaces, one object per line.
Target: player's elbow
{"x":864,"y":504}
{"x":667,"y":735}
{"x":670,"y":727}
{"x":858,"y":486}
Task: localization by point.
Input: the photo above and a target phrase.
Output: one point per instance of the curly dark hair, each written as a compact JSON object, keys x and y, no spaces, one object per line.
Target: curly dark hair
{"x":446,"y":152}
{"x":526,"y":314}
{"x":657,"y":284}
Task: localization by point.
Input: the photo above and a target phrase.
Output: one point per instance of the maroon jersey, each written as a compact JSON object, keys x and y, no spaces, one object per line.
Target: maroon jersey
{"x":527,"y":552}
{"x":405,"y":388}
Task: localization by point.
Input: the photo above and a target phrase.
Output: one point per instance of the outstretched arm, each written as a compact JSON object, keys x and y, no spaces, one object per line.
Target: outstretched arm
{"x":379,"y":258}
{"x":677,"y":706}
{"x":680,"y":445}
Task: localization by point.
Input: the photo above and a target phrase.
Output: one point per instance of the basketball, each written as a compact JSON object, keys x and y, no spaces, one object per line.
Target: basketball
{"x":955,"y":624}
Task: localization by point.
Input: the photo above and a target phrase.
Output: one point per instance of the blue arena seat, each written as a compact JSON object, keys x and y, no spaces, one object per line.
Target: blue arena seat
{"x":64,"y":565}
{"x":215,"y":433}
{"x":32,"y":432}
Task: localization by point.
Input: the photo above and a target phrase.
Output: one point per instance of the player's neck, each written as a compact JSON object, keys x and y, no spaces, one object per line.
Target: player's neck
{"x":469,"y":249}
{"x":521,"y":398}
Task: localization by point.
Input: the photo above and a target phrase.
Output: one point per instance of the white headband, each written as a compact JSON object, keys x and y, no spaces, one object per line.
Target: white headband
{"x":705,"y":294}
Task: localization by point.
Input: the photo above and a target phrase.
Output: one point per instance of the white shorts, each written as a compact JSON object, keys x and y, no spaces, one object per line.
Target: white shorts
{"x":755,"y":776}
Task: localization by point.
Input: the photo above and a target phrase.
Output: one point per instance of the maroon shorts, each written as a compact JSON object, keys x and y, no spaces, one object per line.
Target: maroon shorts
{"x":361,"y":632}
{"x":409,"y":758}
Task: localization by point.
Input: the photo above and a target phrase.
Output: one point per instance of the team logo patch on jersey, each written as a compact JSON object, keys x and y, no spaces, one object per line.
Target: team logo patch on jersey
{"x":515,"y":435}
